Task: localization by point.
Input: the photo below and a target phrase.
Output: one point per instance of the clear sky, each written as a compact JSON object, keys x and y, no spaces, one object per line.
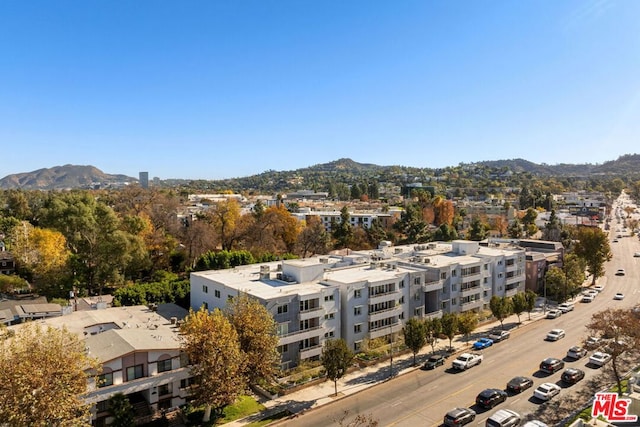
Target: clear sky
{"x":219,"y":89}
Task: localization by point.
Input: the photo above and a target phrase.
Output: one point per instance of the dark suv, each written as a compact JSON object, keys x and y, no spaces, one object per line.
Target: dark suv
{"x":572,"y":375}
{"x":490,"y":397}
{"x":519,"y":384}
{"x":459,"y":417}
{"x":551,"y":365}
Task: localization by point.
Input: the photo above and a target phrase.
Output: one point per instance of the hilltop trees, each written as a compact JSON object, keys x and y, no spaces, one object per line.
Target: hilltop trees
{"x":43,"y":374}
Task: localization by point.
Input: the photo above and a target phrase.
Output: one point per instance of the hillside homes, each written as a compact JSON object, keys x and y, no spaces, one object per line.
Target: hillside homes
{"x":366,"y":294}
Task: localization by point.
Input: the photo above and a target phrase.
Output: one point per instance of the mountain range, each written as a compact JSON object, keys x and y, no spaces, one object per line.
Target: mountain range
{"x":74,"y":176}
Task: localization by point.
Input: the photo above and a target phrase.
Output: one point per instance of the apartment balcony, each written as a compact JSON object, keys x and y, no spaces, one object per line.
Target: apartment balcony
{"x":472,"y":305}
{"x":385,"y":330}
{"x":316,"y":312}
{"x":433,"y":314}
{"x":309,"y":352}
{"x":383,"y":314}
{"x":472,"y":277}
{"x":515,"y":279}
{"x":511,"y":292}
{"x":138,"y":385}
{"x":470,"y":291}
{"x":432,"y":286}
{"x":387,"y":296}
{"x":304,"y":334}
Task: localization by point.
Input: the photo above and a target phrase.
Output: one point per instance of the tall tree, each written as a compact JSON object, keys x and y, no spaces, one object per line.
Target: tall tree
{"x":467,"y":323}
{"x":211,"y":343}
{"x":519,"y":303}
{"x":449,"y":326}
{"x":343,"y":232}
{"x":620,"y":327}
{"x":530,"y":297}
{"x":43,"y":375}
{"x":415,"y":336}
{"x":336,"y":359}
{"x":225,"y":217}
{"x":121,"y":410}
{"x":501,"y":308}
{"x":313,"y":239}
{"x":433,"y":329}
{"x":257,"y":335}
{"x":478,"y":230}
{"x":592,"y":245}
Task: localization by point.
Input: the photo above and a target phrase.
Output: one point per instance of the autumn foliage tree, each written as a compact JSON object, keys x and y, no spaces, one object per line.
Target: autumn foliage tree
{"x":43,"y":375}
{"x":257,"y":335}
{"x":592,"y":245}
{"x":211,"y":343}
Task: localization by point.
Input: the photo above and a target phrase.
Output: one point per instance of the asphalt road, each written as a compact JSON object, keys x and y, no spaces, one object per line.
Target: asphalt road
{"x":422,"y":398}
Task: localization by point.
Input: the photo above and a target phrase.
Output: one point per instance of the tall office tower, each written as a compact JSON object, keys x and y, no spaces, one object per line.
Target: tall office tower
{"x":144,"y":179}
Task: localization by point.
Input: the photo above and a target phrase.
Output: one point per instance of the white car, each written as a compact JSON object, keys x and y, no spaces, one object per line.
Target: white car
{"x":636,"y":254}
{"x":620,"y":272}
{"x":555,"y":334}
{"x":598,"y":288}
{"x":566,"y":307}
{"x":593,"y":342}
{"x":588,"y":298}
{"x":552,"y":314}
{"x":599,"y":358}
{"x":618,"y":296}
{"x":546,"y":391}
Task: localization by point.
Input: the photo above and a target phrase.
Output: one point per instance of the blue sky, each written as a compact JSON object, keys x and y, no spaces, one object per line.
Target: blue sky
{"x":219,"y":89}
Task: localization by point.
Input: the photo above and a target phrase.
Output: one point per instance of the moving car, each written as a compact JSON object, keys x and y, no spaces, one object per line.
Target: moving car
{"x":490,"y":397}
{"x":599,"y":358}
{"x":576,"y":352}
{"x":572,"y":375}
{"x":459,"y":417}
{"x":482,"y":343}
{"x":546,"y":391}
{"x":433,"y":361}
{"x":552,"y":314}
{"x":636,"y":254}
{"x":618,"y":296}
{"x":555,"y":334}
{"x":551,"y":365}
{"x":498,"y":336}
{"x":620,"y":272}
{"x":519,"y":384}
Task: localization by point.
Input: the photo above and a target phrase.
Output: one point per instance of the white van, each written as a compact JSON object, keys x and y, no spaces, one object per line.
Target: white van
{"x":566,"y":307}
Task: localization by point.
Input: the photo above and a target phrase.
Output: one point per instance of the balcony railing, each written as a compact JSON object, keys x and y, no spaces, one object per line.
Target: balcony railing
{"x":303,"y":334}
{"x":432,"y":286}
{"x":309,"y":352}
{"x":381,"y":314}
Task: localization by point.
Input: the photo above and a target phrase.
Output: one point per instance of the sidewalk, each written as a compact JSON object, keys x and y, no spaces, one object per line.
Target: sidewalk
{"x":314,"y":396}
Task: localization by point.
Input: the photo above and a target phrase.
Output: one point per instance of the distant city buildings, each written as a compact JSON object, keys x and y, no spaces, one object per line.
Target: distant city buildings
{"x":144,"y":179}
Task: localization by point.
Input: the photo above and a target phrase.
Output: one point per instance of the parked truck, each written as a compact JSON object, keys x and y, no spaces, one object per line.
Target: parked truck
{"x":467,"y":360}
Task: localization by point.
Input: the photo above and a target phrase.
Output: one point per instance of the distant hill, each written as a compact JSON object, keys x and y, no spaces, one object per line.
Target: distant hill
{"x":63,"y":177}
{"x":341,"y":170}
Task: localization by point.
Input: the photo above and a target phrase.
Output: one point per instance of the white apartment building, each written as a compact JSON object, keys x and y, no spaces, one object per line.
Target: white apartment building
{"x":366,"y":294}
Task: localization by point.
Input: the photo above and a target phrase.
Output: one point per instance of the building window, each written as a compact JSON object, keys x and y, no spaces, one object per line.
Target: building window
{"x":163,"y":390}
{"x":186,"y":382}
{"x":454,"y":273}
{"x":105,"y":380}
{"x":357,"y":311}
{"x":357,"y":328}
{"x":401,"y":300}
{"x":417,"y":296}
{"x":417,"y":312}
{"x":357,"y":293}
{"x":443,"y":275}
{"x":283,"y":309}
{"x":229,"y":298}
{"x":329,"y":316}
{"x":402,"y":283}
{"x":486,"y":280}
{"x":454,"y":288}
{"x":283,"y":348}
{"x":134,"y":372}
{"x":328,"y":297}
{"x":216,"y":293}
{"x":499,"y":275}
{"x":329,"y":334}
{"x":486,"y":266}
{"x":205,"y":305}
{"x":357,"y":346}
{"x":102,"y":406}
{"x":453,"y":301}
{"x":205,"y":289}
{"x":164,"y":365}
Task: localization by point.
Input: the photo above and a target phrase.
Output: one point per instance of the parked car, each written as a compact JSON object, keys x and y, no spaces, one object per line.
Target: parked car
{"x":466,"y":361}
{"x":576,"y":352}
{"x":534,"y":423}
{"x":552,"y":314}
{"x":482,"y":343}
{"x":555,"y":335}
{"x":599,"y":358}
{"x":519,"y":384}
{"x":434,"y":360}
{"x":636,"y":254}
{"x":459,"y":417}
{"x":498,"y":336}
{"x":566,"y":307}
{"x":593,"y":342}
{"x":572,"y":375}
{"x":504,"y":418}
{"x":546,"y":391}
{"x":490,"y":397}
{"x":598,"y":288}
{"x":551,"y":365}
{"x":618,"y":296}
{"x":620,"y":272}
{"x":588,"y":298}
